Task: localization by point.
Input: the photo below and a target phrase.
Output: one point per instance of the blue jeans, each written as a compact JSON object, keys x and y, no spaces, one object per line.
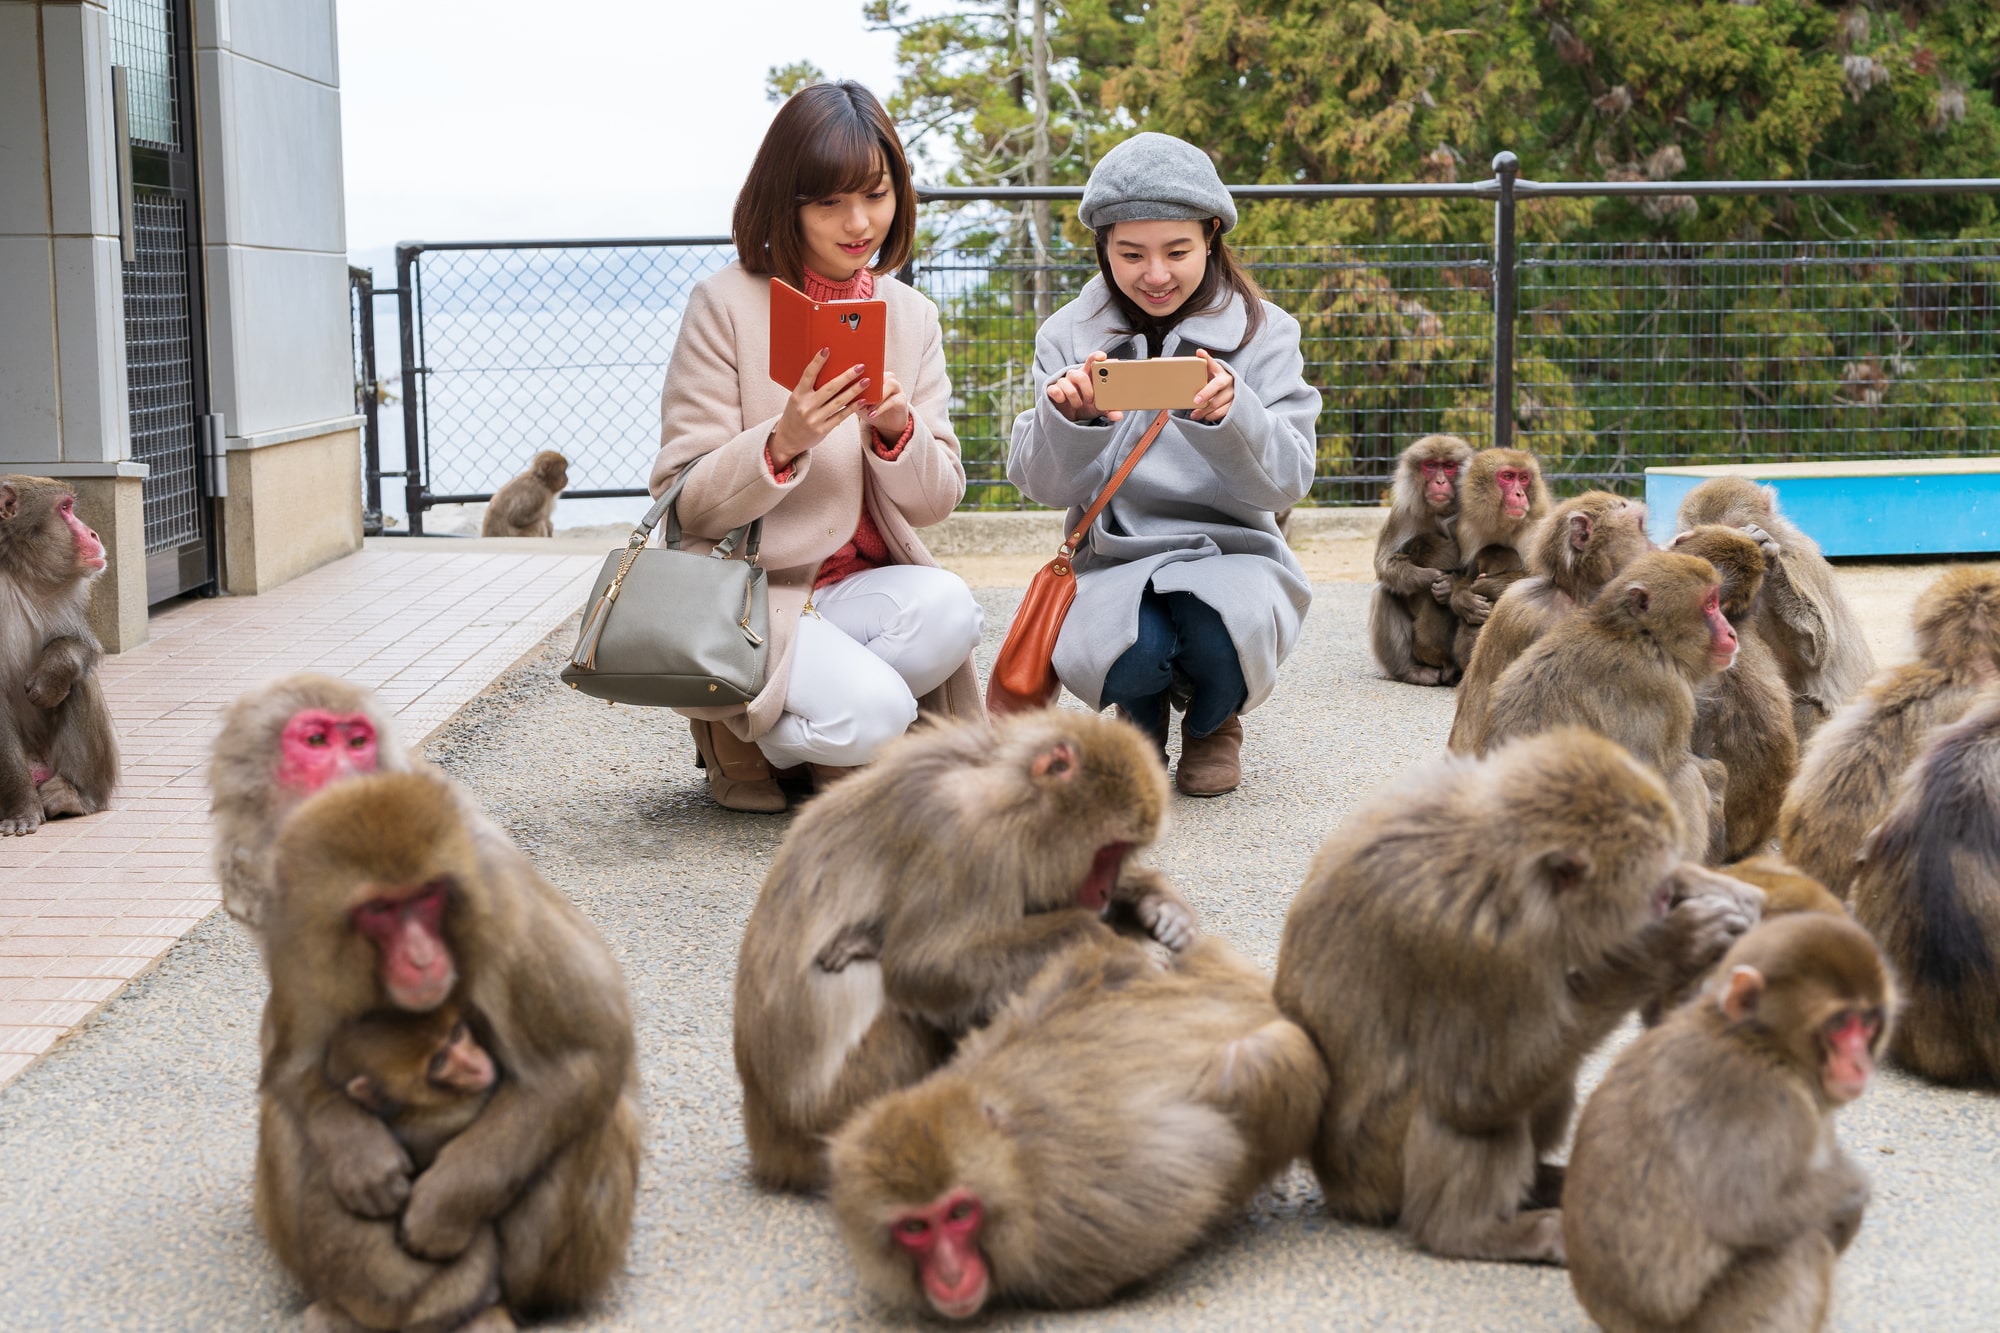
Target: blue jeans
{"x":1176,"y":629}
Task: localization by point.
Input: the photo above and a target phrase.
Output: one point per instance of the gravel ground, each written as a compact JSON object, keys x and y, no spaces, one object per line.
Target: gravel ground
{"x":125,"y":1181}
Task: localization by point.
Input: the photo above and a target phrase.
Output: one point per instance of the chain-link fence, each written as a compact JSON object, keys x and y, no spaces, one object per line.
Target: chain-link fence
{"x":1604,"y":359}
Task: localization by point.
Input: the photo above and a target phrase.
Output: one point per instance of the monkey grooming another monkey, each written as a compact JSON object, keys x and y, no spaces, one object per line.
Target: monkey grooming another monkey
{"x":1409,"y":589}
{"x":525,"y":506}
{"x":1849,"y":769}
{"x":58,"y":750}
{"x":280,"y":743}
{"x":1462,"y":941}
{"x":1587,"y":539}
{"x":1106,"y":1120}
{"x":1503,"y":500}
{"x":1929,"y":889}
{"x":1627,"y":668}
{"x":910,"y":901}
{"x":427,"y":1077}
{"x":1743,"y":716}
{"x":1808,"y":625}
{"x":390,"y":897}
{"x":1706,"y":1191}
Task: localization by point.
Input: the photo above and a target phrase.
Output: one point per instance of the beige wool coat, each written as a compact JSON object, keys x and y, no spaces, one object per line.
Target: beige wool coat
{"x":718,"y":410}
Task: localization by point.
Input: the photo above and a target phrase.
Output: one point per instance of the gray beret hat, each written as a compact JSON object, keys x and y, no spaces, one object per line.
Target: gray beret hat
{"x":1154,"y":176}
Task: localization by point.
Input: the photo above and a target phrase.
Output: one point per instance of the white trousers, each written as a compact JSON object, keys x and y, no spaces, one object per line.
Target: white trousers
{"x":883,"y":638}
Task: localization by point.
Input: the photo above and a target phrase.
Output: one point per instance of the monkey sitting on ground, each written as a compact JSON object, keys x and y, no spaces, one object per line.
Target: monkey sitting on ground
{"x":1627,"y":668}
{"x":525,"y":505}
{"x":1743,"y":716}
{"x":1705,"y":1189}
{"x":280,"y":743}
{"x":58,"y":749}
{"x":1503,"y":500}
{"x":390,"y":897}
{"x":1461,"y":943}
{"x":1803,"y":617}
{"x":1587,"y":539}
{"x":911,"y":900}
{"x":427,"y":1077}
{"x":1106,"y":1120}
{"x":1423,"y":508}
{"x":1848,"y":771}
{"x":1929,"y":889}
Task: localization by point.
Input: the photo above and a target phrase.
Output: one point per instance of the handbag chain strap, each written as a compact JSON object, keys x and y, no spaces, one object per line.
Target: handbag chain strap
{"x":1075,"y":539}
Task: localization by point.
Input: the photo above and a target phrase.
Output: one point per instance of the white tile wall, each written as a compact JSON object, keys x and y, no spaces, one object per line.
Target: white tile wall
{"x":90,"y":329}
{"x":82,"y":179}
{"x":295,"y":35}
{"x":29,"y":416}
{"x":24,"y":195}
{"x":285,"y":187}
{"x":285,"y":358}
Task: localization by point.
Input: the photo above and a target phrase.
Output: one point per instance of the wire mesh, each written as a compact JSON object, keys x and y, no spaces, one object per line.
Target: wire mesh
{"x":142,"y":40}
{"x":1630,"y":356}
{"x":159,"y":368}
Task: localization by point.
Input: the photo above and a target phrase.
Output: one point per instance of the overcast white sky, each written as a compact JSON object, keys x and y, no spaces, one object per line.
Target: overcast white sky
{"x":604,"y":118}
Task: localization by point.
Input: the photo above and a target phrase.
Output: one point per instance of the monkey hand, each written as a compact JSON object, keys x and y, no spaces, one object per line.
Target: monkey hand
{"x":1144,"y":897}
{"x":50,"y":685}
{"x":1471,"y":607}
{"x":1709,"y":912}
{"x":432,"y":1227}
{"x":371,"y":1177}
{"x":1765,"y":541}
{"x":1440,"y":584}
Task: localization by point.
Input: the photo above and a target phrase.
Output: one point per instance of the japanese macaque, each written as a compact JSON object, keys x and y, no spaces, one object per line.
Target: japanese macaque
{"x":1929,"y":890}
{"x":525,"y":505}
{"x":1587,"y":539}
{"x":1423,"y":508}
{"x":1848,"y":770}
{"x":58,"y":750}
{"x":1787,"y":889}
{"x":1504,"y":498}
{"x":911,"y":900}
{"x":1627,"y":667}
{"x":427,"y":1077}
{"x":1105,"y":1121}
{"x":280,"y":743}
{"x":1462,"y":941}
{"x":1706,"y":1190}
{"x":1803,"y":617}
{"x":1743,"y":716}
{"x":390,"y":899}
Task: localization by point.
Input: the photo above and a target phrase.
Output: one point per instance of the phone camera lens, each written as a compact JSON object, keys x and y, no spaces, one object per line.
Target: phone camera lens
{"x":1104,"y":372}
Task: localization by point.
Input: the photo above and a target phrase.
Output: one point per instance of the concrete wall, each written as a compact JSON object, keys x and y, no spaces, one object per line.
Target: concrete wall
{"x":289,"y":509}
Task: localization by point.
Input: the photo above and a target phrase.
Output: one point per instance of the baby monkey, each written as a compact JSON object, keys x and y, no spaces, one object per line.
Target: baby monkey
{"x":425,"y":1075}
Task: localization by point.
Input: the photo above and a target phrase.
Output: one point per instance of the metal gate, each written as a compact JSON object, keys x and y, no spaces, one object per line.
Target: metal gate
{"x":165,"y":340}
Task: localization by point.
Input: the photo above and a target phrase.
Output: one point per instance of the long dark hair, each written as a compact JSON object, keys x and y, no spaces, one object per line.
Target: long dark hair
{"x":827,"y":139}
{"x":1222,"y":278}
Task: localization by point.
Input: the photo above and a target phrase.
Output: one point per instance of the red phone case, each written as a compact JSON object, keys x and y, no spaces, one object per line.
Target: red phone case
{"x":800,"y":326}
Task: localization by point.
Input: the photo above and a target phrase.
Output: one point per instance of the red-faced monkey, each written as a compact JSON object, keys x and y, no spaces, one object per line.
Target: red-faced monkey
{"x":911,"y":900}
{"x":1503,"y":500}
{"x":525,"y":505}
{"x":58,"y":750}
{"x":1462,"y":941}
{"x":390,"y":898}
{"x":1413,"y":583}
{"x":1108,"y":1118}
{"x":1705,"y":1189}
{"x":1847,"y":772}
{"x":1586,"y":540}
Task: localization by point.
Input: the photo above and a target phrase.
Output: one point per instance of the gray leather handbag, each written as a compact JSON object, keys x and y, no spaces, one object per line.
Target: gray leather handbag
{"x":666,"y":628}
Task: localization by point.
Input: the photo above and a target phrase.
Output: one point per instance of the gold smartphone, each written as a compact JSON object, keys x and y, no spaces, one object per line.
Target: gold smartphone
{"x":1160,"y":384}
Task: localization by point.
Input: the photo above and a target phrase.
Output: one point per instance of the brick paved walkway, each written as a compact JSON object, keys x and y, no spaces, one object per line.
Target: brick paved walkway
{"x":88,"y":904}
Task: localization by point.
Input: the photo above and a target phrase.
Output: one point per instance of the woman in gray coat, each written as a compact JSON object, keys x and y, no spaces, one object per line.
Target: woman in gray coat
{"x":1186,"y":593}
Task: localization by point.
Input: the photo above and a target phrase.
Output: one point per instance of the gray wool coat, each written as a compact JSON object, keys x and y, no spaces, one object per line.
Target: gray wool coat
{"x":1197,"y":514}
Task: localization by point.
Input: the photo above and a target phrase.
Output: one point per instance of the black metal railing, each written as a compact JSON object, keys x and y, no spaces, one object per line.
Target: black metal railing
{"x":1604,"y":358}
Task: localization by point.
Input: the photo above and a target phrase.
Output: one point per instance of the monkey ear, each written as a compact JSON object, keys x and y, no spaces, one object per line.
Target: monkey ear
{"x":362,"y":1089}
{"x":997,"y":1118}
{"x":1741,"y":993}
{"x":1580,"y":528}
{"x":1638,"y":598}
{"x":1564,"y":869}
{"x":10,"y":502}
{"x":1055,"y":764}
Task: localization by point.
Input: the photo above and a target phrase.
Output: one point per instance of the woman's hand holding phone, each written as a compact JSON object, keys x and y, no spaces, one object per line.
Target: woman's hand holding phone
{"x":892,"y":414}
{"x":811,"y":414}
{"x":1212,"y":403}
{"x":1075,"y":396}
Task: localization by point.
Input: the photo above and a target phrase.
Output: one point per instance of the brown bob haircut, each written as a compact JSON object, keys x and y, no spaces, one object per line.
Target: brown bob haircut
{"x":827,"y":139}
{"x":1222,"y":276}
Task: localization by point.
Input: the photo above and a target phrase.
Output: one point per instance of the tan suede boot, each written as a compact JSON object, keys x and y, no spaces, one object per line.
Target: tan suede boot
{"x":739,"y":778}
{"x":1211,"y":765}
{"x":825,"y":775}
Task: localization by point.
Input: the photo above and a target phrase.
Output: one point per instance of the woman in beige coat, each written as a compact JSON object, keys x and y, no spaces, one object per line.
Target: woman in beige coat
{"x":865,"y":629}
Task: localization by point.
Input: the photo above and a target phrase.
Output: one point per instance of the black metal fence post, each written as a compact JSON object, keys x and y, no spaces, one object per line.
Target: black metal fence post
{"x":1505,"y":168}
{"x":368,"y":399}
{"x":406,"y":331}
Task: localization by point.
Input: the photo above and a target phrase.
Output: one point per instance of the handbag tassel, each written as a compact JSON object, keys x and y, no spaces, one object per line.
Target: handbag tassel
{"x":585,"y":655}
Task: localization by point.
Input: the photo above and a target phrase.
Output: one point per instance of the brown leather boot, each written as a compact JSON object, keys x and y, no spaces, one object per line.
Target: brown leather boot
{"x":825,"y":775}
{"x":1211,"y":765}
{"x":739,"y":778}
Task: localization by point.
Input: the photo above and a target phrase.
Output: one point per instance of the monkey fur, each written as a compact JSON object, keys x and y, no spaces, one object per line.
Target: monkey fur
{"x":1423,"y":509}
{"x":1492,"y":538}
{"x":1587,"y":539}
{"x":1107,"y":1119}
{"x":1849,"y":768}
{"x":525,"y":506}
{"x":907,"y":903}
{"x":58,"y":748}
{"x":1706,"y":1192}
{"x":1462,"y":941}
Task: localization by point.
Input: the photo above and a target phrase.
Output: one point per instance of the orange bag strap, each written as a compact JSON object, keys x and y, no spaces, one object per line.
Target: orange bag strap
{"x":1075,"y":539}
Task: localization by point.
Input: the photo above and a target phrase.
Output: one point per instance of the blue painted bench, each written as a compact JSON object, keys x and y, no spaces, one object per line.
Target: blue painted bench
{"x":1918,"y":506}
